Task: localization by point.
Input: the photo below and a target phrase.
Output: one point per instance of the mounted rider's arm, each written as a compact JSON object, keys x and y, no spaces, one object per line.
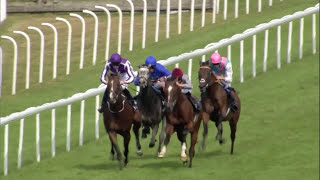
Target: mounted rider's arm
{"x":130,"y":73}
{"x":186,"y":82}
{"x":228,"y":73}
{"x":103,"y":77}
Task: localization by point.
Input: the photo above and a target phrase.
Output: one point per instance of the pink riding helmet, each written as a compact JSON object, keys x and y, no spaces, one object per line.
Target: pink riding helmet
{"x":215,"y":58}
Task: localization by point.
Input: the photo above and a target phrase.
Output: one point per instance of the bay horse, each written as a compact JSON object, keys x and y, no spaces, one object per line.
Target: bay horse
{"x":150,"y":106}
{"x":181,"y":118}
{"x":119,"y":117}
{"x":215,"y":105}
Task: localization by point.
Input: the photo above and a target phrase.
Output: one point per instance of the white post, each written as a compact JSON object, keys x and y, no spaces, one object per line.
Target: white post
{"x":177,"y":65}
{"x":168,"y":20}
{"x":96,"y":32}
{"x":131,"y":24}
{"x":68,"y":146}
{"x":214,"y":7}
{"x":6,"y":149}
{"x":236,"y":9}
{"x":259,"y":5}
{"x":20,"y":143}
{"x":144,"y":24}
{"x":265,"y":56}
{"x":314,"y":33}
{"x":179,"y":16}
{"x":203,"y":59}
{"x":301,"y":38}
{"x":254,"y":50}
{"x":38,"y":136}
{"x":55,"y":48}
{"x":1,"y":60}
{"x":81,"y":122}
{"x":69,"y":43}
{"x":42,"y":44}
{"x":247,"y":6}
{"x":157,"y":21}
{"x":270,"y":2}
{"x":241,"y":61}
{"x":289,"y":42}
{"x":120,"y":25}
{"x":97,"y":116}
{"x":28,"y":50}
{"x":192,"y":16}
{"x":3,"y":10}
{"x":225,"y":9}
{"x":82,"y":37}
{"x":108,"y":31}
{"x":53,"y":132}
{"x":218,"y":6}
{"x":190,"y":69}
{"x":203,"y":19}
{"x":229,"y":52}
{"x":15,"y":63}
{"x":278,"y":47}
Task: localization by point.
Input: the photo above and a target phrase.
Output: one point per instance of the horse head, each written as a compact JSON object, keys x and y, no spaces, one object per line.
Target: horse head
{"x":144,"y":75}
{"x":172,"y":91}
{"x":205,"y":76}
{"x":114,"y":87}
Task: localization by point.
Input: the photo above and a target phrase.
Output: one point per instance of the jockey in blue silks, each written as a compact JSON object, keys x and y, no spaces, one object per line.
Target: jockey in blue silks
{"x":158,"y":74}
{"x":116,"y":64}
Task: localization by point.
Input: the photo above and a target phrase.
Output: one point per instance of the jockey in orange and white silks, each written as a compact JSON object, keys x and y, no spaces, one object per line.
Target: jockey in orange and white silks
{"x":222,"y":68}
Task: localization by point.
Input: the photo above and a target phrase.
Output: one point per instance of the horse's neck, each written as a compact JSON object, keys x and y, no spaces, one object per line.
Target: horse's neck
{"x":147,"y":95}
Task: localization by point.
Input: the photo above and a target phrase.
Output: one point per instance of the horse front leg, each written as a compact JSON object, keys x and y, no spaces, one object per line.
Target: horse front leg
{"x":112,"y":152}
{"x":154,"y":133}
{"x":126,"y":137}
{"x":162,"y":134}
{"x":220,"y":130}
{"x":169,"y":132}
{"x":113,"y":139}
{"x":194,"y":139}
{"x":136,"y":127}
{"x":182,"y":136}
{"x":206,"y":118}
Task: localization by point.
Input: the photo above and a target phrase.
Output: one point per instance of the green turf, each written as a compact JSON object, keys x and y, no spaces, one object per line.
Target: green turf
{"x":262,"y":160}
{"x":277,"y":138}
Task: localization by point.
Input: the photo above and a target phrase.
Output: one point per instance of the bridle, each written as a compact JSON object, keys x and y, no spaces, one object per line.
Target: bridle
{"x":120,"y":109}
{"x":211,"y":81}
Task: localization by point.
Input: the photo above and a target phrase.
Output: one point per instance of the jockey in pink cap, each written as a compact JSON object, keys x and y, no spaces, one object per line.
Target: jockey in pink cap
{"x":222,"y":68}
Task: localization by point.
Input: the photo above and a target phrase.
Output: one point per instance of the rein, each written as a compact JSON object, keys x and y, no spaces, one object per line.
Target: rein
{"x":119,"y":110}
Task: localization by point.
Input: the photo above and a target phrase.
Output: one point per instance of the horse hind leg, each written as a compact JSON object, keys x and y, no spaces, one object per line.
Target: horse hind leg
{"x":194,"y":139}
{"x":182,"y":135}
{"x":136,"y":127}
{"x":112,"y":152}
{"x":113,"y":138}
{"x":154,"y":133}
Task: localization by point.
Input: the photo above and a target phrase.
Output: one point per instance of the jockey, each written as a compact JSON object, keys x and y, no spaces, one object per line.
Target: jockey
{"x":158,"y":74}
{"x":117,"y":64}
{"x":185,"y":84}
{"x":222,"y":68}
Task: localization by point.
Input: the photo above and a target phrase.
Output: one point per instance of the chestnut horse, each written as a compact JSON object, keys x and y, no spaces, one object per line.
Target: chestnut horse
{"x":180,"y":117}
{"x":215,"y":105}
{"x":119,"y":117}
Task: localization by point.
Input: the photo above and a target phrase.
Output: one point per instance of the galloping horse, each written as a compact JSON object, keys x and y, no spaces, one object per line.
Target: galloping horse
{"x":181,"y":118}
{"x":118,"y":119}
{"x":150,"y":106}
{"x":215,"y":105}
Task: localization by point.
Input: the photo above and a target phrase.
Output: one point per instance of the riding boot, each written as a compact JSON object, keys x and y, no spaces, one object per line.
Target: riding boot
{"x":130,"y":99}
{"x":104,"y":101}
{"x":232,"y":102}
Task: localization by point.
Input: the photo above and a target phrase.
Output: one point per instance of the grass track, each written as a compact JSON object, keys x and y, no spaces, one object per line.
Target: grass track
{"x":277,"y":138}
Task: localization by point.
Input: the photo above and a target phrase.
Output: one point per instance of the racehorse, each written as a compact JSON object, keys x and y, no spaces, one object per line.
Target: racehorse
{"x":150,"y":106}
{"x":119,"y":117}
{"x":215,"y":105}
{"x":181,"y":118}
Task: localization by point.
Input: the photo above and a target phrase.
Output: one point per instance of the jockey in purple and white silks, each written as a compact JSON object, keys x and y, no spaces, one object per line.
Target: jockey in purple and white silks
{"x":222,"y":68}
{"x":116,"y":64}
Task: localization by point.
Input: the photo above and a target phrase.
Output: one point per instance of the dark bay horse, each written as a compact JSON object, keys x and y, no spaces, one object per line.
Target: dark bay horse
{"x":150,"y":106}
{"x":118,"y":119}
{"x":215,"y":105}
{"x":181,"y":118}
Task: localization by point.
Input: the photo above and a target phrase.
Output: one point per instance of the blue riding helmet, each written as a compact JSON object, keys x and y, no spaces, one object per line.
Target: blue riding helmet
{"x":115,"y":58}
{"x":151,"y":61}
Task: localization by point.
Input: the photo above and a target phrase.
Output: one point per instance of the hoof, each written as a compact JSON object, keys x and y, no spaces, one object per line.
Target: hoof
{"x":184,"y":158}
{"x":139,"y":153}
{"x":203,"y":147}
{"x":222,"y":141}
{"x":185,"y":163}
{"x":111,"y":157}
{"x":161,"y":155}
{"x":151,"y":145}
{"x":120,"y":165}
